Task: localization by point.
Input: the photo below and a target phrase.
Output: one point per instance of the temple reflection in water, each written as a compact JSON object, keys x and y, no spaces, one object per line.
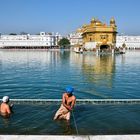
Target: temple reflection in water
{"x":97,"y":69}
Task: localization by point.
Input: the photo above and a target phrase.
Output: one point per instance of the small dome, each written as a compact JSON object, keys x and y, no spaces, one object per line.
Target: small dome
{"x":84,"y":25}
{"x":93,"y":20}
{"x":79,"y":30}
{"x":112,"y":20}
{"x":98,"y":23}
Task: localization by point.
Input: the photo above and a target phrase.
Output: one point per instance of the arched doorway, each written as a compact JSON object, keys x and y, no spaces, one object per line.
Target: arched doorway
{"x":104,"y":48}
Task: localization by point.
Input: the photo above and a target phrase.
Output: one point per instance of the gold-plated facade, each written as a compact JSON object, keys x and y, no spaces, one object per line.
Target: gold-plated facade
{"x":102,"y":36}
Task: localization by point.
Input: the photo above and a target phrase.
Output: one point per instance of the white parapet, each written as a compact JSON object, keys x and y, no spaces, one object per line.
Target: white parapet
{"x":72,"y":137}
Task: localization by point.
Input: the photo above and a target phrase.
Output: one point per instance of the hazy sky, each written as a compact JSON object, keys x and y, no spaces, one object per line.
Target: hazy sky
{"x":65,"y":16}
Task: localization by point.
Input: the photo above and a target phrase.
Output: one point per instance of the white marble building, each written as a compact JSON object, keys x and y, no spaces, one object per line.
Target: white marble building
{"x":75,"y":38}
{"x":131,"y":42}
{"x":41,"y":40}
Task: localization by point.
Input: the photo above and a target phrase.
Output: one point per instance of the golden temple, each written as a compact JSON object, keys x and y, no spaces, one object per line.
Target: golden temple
{"x":98,"y":35}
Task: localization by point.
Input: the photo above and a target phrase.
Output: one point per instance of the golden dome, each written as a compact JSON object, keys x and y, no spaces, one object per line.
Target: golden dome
{"x":84,"y":25}
{"x":93,"y":20}
{"x":98,"y":23}
{"x":79,"y":30}
{"x":112,"y":20}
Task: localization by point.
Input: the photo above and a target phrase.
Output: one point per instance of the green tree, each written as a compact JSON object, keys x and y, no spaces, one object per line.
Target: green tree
{"x":23,"y":33}
{"x":64,"y":43}
{"x":12,"y":34}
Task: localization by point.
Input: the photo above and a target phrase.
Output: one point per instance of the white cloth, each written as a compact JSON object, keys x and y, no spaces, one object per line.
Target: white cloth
{"x":5,"y":99}
{"x":62,"y":113}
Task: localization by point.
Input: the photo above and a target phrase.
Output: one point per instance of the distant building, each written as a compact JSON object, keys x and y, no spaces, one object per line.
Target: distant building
{"x":75,"y":38}
{"x":131,"y":42}
{"x":41,"y":40}
{"x":98,"y":35}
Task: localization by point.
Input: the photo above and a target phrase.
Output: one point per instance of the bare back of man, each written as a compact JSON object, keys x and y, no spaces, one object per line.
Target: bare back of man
{"x":5,"y":109}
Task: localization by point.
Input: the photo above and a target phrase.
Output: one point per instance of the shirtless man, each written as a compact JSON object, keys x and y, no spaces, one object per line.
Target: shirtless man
{"x":5,"y":108}
{"x":68,"y":102}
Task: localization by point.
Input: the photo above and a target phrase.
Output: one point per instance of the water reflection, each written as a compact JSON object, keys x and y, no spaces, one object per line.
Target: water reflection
{"x":100,"y":69}
{"x":6,"y":121}
{"x":26,"y":56}
{"x":67,"y":127}
{"x":44,"y":74}
{"x":97,"y":69}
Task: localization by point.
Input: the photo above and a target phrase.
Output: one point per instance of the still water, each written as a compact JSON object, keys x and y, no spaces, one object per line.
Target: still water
{"x":45,"y":74}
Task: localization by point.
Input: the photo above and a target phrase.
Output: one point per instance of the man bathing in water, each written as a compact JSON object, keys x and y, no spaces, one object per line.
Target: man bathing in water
{"x":68,"y":102}
{"x":5,"y":108}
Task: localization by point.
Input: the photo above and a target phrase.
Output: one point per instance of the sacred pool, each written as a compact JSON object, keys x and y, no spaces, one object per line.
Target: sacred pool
{"x":39,"y":75}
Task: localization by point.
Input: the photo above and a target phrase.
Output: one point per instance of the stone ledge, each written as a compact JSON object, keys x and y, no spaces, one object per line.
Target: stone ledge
{"x":114,"y":137}
{"x":64,"y":137}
